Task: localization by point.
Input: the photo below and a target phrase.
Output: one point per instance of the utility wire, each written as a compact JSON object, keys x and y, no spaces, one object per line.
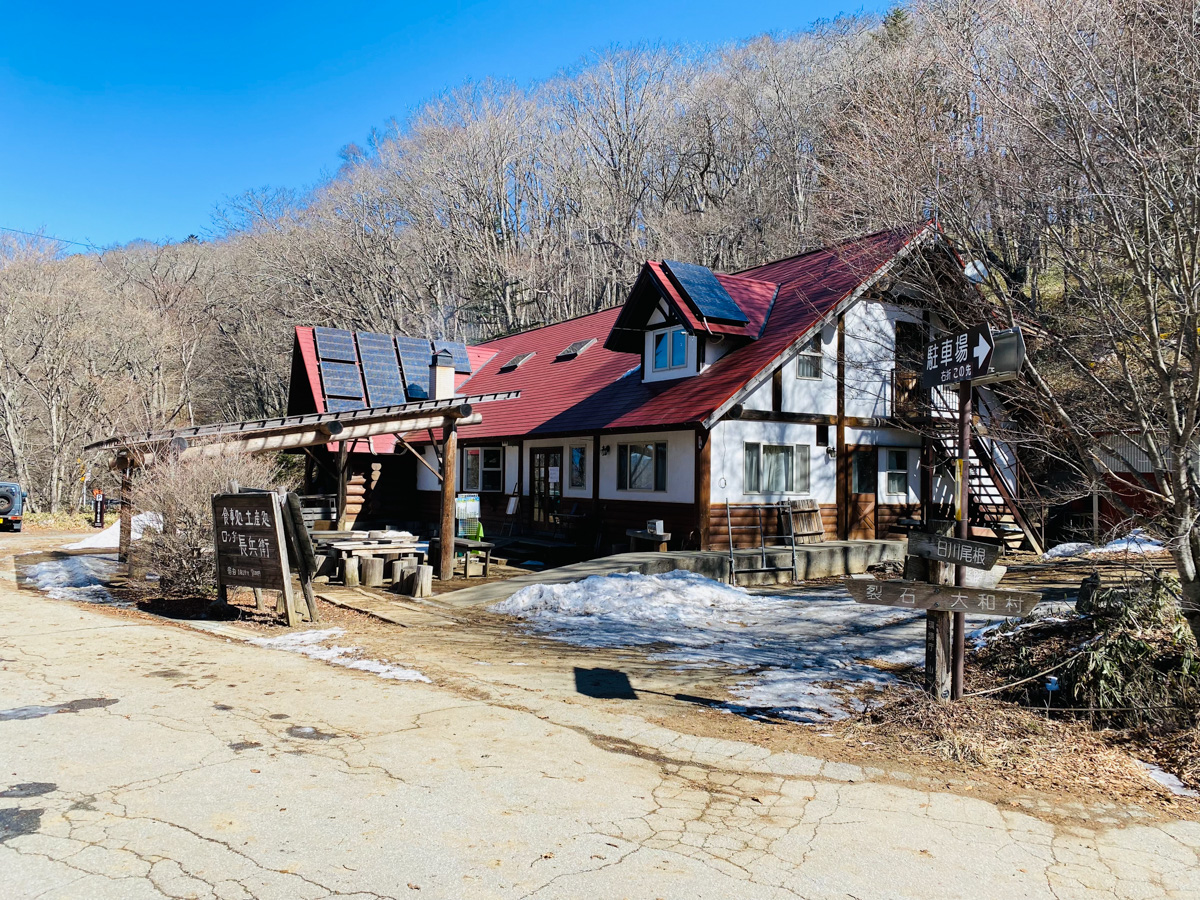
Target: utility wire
{"x":47,"y":237}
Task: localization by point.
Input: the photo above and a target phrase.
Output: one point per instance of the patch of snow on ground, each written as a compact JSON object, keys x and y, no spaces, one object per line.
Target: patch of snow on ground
{"x":1167,"y":780}
{"x":312,"y":645}
{"x":110,"y":537}
{"x":1135,"y":543}
{"x":1066,"y":551}
{"x":802,"y":651}
{"x":80,"y":578}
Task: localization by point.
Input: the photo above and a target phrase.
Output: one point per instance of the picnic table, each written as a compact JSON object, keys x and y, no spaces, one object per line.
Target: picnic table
{"x":394,"y":546}
{"x":468,"y":547}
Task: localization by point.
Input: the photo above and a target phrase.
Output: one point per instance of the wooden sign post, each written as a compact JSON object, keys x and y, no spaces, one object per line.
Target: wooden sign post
{"x":248,"y":533}
{"x":943,"y":597}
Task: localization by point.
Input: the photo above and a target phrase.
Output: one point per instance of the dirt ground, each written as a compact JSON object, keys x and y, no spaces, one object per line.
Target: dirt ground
{"x":1009,"y":757}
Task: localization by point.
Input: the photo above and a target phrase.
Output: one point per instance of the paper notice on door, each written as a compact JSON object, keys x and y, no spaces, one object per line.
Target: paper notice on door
{"x":555,"y":477}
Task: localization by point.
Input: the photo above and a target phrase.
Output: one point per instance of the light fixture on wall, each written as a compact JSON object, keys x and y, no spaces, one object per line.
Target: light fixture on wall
{"x":831,"y":451}
{"x":604,"y":450}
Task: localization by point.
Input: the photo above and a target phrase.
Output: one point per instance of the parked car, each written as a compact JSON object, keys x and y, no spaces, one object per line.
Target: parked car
{"x":12,"y":505}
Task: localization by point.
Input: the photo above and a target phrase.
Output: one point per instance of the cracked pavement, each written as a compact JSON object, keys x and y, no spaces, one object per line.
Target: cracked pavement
{"x":145,"y":760}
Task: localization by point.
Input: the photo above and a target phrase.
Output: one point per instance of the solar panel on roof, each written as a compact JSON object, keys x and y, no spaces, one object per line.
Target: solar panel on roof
{"x":334,"y":343}
{"x":341,"y":379}
{"x":381,"y":369}
{"x":462,"y":363}
{"x":415,"y":357}
{"x":341,"y":404}
{"x":704,"y":291}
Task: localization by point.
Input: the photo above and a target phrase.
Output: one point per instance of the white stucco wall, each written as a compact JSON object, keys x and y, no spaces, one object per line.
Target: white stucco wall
{"x":728,"y":465}
{"x":871,"y":356}
{"x":681,"y":467}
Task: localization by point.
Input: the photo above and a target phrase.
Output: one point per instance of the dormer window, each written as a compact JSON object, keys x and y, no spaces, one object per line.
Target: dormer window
{"x":670,"y":349}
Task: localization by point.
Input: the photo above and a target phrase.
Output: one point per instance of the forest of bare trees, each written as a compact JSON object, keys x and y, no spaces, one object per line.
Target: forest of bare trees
{"x":1058,"y":142}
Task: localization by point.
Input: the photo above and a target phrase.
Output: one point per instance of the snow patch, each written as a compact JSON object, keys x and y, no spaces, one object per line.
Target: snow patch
{"x":79,"y":578}
{"x":802,"y":650}
{"x":1136,"y":543}
{"x":1167,"y":780}
{"x":110,"y":537}
{"x":312,"y":645}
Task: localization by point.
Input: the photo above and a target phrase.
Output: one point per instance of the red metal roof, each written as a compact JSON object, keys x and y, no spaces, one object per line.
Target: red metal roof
{"x":602,"y":389}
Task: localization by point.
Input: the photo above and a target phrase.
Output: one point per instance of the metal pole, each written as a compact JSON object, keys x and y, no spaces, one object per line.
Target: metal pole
{"x":964,"y":532}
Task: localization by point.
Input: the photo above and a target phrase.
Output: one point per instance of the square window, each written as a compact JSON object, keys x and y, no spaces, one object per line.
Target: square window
{"x":642,"y":467}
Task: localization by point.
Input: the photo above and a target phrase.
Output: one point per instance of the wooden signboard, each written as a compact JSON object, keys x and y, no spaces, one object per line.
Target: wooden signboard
{"x":942,"y":597}
{"x":953,"y":551}
{"x":248,"y":533}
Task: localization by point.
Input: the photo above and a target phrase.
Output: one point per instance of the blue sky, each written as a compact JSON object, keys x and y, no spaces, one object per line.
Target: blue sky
{"x":133,"y":120}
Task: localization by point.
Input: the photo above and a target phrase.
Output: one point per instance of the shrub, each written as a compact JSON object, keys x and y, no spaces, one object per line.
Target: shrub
{"x":181,"y":552}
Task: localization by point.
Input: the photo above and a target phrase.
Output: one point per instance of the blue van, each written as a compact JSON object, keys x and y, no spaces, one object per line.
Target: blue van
{"x":12,"y":504}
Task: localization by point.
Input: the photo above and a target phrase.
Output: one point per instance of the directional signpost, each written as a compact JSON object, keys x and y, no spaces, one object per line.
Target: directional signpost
{"x":943,"y":597}
{"x":958,"y":357}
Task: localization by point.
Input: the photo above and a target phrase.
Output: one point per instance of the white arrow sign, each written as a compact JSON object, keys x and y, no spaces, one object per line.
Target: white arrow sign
{"x":981,"y":351}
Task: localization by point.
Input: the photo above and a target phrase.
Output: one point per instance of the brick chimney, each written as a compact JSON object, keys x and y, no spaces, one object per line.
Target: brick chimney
{"x":441,"y":376}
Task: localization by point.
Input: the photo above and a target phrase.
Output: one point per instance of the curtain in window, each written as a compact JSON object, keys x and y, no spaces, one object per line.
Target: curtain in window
{"x":776,"y":468}
{"x":753,"y":474}
{"x":803,"y":465}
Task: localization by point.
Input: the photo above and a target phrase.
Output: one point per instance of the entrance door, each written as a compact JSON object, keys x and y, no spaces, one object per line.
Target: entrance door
{"x":864,"y":482}
{"x":545,"y":487}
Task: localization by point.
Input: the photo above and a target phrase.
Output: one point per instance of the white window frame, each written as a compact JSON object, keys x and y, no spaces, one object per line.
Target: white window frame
{"x":888,"y":471}
{"x":671,"y":363}
{"x":813,"y":352}
{"x":800,"y":452}
{"x":571,"y":466}
{"x":477,"y":487}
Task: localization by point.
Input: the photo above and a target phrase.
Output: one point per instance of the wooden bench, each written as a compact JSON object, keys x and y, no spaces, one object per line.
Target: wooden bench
{"x":656,"y":541}
{"x":469,"y":548}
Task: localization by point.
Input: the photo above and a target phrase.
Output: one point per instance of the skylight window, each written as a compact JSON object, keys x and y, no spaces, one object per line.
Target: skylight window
{"x":575,"y":349}
{"x":515,"y":362}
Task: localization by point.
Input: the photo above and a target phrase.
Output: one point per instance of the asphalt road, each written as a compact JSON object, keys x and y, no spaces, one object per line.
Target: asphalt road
{"x":146,"y":760}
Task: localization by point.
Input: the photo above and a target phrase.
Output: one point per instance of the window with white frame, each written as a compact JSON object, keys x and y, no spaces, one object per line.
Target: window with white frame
{"x":642,"y":467}
{"x":578,"y":466}
{"x":670,"y":349}
{"x":897,"y":472}
{"x":776,"y":468}
{"x":809,"y":362}
{"x":483,"y":469}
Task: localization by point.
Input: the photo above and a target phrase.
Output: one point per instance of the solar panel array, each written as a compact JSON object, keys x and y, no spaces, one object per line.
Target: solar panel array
{"x":395,"y":369}
{"x":705,"y":292}
{"x":381,"y":369}
{"x":462,"y":364}
{"x":415,"y":357}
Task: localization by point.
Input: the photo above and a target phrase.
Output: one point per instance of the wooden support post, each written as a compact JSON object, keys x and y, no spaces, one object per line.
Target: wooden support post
{"x":259,"y":603}
{"x":841,"y":461}
{"x":343,"y":474}
{"x":704,"y":486}
{"x":126,"y":514}
{"x":964,"y":532}
{"x":449,"y":472}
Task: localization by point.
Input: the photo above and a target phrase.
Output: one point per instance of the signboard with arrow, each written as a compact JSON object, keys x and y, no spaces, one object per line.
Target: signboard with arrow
{"x":958,"y":357}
